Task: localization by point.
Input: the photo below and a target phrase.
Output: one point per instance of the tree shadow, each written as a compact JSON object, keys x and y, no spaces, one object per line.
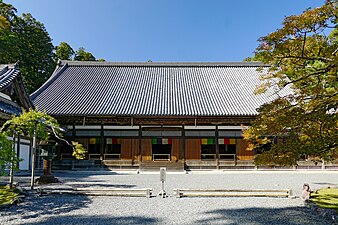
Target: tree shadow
{"x":86,"y":176}
{"x":35,"y":206}
{"x":72,"y":179}
{"x":83,"y":176}
{"x":102,"y":220}
{"x":326,"y":183}
{"x":86,"y":184}
{"x":93,"y":185}
{"x":327,"y":201}
{"x":269,"y":216}
{"x":84,"y":173}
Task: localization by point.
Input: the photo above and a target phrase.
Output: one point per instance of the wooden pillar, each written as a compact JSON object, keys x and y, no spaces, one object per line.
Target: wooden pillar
{"x":131,"y":150}
{"x":73,"y":132}
{"x":183,"y":143}
{"x":102,"y":142}
{"x":73,"y":139}
{"x":217,"y":147}
{"x":140,"y":143}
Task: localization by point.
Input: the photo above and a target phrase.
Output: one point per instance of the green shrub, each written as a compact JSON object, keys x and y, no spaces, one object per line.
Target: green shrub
{"x":7,"y":195}
{"x":326,"y":198}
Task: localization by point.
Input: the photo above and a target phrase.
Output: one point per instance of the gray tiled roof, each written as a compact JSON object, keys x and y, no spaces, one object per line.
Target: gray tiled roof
{"x":11,"y":85}
{"x":7,"y":74}
{"x":152,"y":89}
{"x":9,"y":107}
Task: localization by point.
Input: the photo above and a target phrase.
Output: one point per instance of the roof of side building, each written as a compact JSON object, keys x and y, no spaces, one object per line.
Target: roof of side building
{"x":13,"y":94}
{"x":7,"y":74}
{"x":152,"y":89}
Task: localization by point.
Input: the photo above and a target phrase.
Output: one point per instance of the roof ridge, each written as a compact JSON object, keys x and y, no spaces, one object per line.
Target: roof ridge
{"x":169,"y":64}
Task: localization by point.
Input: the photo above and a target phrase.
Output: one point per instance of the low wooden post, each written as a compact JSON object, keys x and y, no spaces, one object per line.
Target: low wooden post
{"x":148,"y":194}
{"x":290,"y":193}
{"x":177,"y":193}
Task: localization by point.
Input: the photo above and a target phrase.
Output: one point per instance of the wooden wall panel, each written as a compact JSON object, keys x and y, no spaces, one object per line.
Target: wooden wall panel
{"x":242,"y":153}
{"x":193,"y":149}
{"x":175,"y":149}
{"x":146,"y":149}
{"x":135,"y":149}
{"x":126,"y":148}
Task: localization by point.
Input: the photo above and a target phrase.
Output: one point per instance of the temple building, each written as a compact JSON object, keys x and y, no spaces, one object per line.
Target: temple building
{"x":148,"y":115}
{"x":13,"y":101}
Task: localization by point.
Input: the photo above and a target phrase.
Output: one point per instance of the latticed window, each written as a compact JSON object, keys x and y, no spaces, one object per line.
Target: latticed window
{"x":208,"y":149}
{"x":112,"y":149}
{"x":161,"y":148}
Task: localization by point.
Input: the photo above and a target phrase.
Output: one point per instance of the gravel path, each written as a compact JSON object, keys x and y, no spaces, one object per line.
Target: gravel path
{"x":68,"y":209}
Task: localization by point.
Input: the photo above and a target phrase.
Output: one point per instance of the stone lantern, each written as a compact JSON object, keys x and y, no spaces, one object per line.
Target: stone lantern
{"x":48,"y":153}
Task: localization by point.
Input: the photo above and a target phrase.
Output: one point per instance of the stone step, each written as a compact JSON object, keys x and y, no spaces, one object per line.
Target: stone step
{"x":156,"y":165}
{"x":118,"y":162}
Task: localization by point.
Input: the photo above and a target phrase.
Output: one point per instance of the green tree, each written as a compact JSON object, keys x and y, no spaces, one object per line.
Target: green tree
{"x":7,"y":13}
{"x":36,"y":51}
{"x":255,"y":58}
{"x":64,"y":51}
{"x":27,"y":122}
{"x":82,"y":55}
{"x":303,"y":56}
{"x":24,"y":39}
{"x":8,"y":39}
{"x":7,"y":154}
{"x":31,"y":122}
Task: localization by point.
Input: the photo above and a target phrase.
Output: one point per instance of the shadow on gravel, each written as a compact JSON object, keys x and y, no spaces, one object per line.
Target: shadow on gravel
{"x":283,"y":216}
{"x":35,"y":206}
{"x":83,"y":174}
{"x":325,"y":183}
{"x":23,"y":178}
{"x":102,"y":220}
{"x":90,"y":176}
{"x":88,"y":185}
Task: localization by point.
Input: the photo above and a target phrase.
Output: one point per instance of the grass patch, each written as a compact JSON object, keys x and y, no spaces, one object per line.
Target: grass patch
{"x":7,"y":195}
{"x":326,"y":198}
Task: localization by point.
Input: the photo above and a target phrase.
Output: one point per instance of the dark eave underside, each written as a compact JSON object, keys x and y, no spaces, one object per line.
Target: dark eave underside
{"x":149,"y":120}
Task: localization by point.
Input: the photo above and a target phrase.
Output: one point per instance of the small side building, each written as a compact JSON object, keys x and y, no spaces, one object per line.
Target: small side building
{"x":131,"y":115}
{"x":13,"y":101}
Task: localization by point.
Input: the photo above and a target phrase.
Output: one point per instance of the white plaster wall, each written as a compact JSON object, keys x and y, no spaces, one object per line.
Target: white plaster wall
{"x":24,"y":155}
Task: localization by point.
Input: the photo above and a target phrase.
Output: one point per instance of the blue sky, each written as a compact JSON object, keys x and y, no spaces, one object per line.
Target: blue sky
{"x":163,"y":31}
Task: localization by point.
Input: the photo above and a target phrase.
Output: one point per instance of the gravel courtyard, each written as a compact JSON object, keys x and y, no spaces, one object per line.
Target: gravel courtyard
{"x":74,"y":209}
